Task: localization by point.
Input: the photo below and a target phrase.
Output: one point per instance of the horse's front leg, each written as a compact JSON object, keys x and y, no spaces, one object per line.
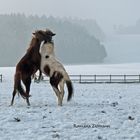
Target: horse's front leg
{"x":40,"y":76}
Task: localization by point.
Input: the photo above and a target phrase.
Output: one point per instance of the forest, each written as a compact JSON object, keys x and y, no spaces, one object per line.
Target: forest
{"x":77,"y":41}
{"x":131,"y":29}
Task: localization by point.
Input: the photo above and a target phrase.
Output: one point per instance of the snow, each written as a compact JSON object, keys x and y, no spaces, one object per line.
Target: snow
{"x":97,"y":111}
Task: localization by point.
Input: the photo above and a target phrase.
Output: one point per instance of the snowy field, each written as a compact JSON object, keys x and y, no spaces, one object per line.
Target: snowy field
{"x":97,"y":111}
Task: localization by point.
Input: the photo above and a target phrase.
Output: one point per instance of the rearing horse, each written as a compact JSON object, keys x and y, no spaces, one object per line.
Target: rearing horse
{"x":55,"y":70}
{"x":28,"y":65}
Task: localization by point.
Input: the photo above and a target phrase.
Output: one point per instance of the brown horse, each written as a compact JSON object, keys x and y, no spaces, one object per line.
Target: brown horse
{"x":29,"y":64}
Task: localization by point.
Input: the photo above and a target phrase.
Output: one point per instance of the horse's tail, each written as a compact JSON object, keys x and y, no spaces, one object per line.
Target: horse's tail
{"x":69,"y":85}
{"x":70,"y":89}
{"x":19,"y":87}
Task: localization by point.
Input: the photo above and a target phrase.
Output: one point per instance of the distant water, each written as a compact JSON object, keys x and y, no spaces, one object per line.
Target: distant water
{"x":123,"y":49}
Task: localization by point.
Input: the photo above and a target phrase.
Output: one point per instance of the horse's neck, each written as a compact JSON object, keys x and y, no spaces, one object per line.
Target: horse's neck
{"x":33,"y":52}
{"x":47,"y":49}
{"x":34,"y":45}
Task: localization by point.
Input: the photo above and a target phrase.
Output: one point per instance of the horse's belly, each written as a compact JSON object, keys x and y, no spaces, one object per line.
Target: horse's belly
{"x":45,"y":66}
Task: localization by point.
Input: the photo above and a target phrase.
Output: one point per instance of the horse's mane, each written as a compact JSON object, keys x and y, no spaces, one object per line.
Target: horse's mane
{"x":32,"y":43}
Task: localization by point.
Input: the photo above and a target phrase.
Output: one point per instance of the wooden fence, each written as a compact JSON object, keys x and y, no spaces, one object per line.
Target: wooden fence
{"x":103,"y":78}
{"x":0,"y":77}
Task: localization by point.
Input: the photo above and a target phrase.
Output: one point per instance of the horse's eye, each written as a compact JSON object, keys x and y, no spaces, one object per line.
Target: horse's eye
{"x":46,"y":56}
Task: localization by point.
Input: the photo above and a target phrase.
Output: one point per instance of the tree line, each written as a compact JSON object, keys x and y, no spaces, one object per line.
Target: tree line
{"x":74,"y":43}
{"x":132,"y":29}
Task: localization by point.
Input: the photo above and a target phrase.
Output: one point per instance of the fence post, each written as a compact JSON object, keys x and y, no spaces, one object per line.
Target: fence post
{"x":80,"y":79}
{"x":95,"y":78}
{"x":124,"y":78}
{"x":110,"y":78}
{"x":1,"y":77}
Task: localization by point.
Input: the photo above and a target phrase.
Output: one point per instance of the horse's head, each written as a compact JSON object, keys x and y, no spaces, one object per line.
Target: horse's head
{"x":44,"y":35}
{"x":48,"y":35}
{"x":40,"y":35}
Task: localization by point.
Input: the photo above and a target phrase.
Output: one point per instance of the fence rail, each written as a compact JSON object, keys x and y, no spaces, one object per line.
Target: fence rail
{"x":103,"y":78}
{"x":0,"y":77}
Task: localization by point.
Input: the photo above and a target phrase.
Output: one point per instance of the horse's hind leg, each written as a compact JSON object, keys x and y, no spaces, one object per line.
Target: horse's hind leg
{"x":27,"y":83}
{"x":54,"y":81}
{"x":56,"y":90}
{"x":14,"y":93}
{"x":61,"y":85}
{"x":59,"y":97}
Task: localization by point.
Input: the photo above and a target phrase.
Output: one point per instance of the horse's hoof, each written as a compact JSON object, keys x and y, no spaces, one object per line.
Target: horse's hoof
{"x":11,"y":104}
{"x":29,"y":96}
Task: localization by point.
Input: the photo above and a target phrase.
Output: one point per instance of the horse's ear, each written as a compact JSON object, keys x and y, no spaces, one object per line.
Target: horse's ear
{"x":33,"y":34}
{"x":53,"y":34}
{"x":49,"y":32}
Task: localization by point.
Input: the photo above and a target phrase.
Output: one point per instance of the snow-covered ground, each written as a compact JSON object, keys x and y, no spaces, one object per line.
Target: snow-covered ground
{"x":97,"y":111}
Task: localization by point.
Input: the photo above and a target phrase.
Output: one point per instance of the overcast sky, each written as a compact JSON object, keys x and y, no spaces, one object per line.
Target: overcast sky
{"x":106,"y":12}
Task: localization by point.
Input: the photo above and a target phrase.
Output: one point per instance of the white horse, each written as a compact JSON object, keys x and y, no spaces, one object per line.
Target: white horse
{"x":55,"y":70}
